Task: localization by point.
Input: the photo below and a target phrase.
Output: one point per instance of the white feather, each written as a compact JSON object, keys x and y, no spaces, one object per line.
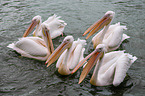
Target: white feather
{"x":112,"y":68}
{"x":61,"y":58}
{"x":55,"y":26}
{"x":112,"y":38}
{"x":30,"y":47}
{"x":71,"y":57}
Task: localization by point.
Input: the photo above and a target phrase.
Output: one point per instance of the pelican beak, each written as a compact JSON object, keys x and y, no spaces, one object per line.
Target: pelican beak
{"x":94,"y":56}
{"x":57,"y":52}
{"x":30,"y":28}
{"x":48,"y":39}
{"x":98,"y":25}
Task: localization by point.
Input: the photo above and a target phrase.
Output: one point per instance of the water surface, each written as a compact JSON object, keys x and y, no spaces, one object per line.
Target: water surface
{"x":21,"y":76}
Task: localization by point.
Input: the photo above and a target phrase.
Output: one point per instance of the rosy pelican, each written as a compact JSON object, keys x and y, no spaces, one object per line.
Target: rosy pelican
{"x":53,"y":23}
{"x":110,"y":68}
{"x":33,"y":47}
{"x":69,"y":52}
{"x":111,"y":35}
{"x":55,"y":26}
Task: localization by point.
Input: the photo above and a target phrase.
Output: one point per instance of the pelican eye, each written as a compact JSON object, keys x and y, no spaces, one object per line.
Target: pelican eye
{"x":108,"y":14}
{"x":35,"y":19}
{"x":99,"y":49}
{"x":45,"y":28}
{"x":67,"y":40}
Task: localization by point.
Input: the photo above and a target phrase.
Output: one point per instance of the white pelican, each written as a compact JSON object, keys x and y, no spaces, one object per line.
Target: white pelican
{"x":70,"y":52}
{"x":111,"y":35}
{"x":24,"y":46}
{"x":35,"y":47}
{"x":110,"y":68}
{"x":53,"y":23}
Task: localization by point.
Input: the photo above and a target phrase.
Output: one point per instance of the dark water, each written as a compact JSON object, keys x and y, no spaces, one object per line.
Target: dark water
{"x":21,"y":76}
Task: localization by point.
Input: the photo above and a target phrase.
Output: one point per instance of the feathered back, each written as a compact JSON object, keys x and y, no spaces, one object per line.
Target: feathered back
{"x":55,"y":25}
{"x":76,"y":52}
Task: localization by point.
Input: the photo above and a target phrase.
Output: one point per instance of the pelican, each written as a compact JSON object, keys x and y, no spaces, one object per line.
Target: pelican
{"x":69,"y":52}
{"x":111,"y":35}
{"x":24,"y":45}
{"x":53,"y":23}
{"x":35,"y":47}
{"x":110,"y":68}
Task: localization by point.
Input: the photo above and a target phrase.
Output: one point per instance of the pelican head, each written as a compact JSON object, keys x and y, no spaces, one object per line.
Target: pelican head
{"x":68,"y":40}
{"x":67,"y":43}
{"x":37,"y":18}
{"x":47,"y":38}
{"x":110,"y":13}
{"x":94,"y":57}
{"x":101,"y":47}
{"x":104,"y":21}
{"x":35,"y":21}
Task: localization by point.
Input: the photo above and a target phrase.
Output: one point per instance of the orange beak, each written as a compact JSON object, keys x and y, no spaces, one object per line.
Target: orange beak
{"x":95,"y":55}
{"x":30,"y":28}
{"x":57,"y":52}
{"x":48,"y":39}
{"x":98,"y":25}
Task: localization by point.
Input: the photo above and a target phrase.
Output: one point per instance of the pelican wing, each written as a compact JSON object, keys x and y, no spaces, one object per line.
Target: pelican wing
{"x":76,"y":53}
{"x":122,"y":66}
{"x":75,"y":56}
{"x":55,"y":25}
{"x":108,"y":67}
{"x":111,"y":56}
{"x":114,"y":35}
{"x":61,"y":58}
{"x":29,"y":46}
{"x":51,"y":18}
{"x":38,"y":40}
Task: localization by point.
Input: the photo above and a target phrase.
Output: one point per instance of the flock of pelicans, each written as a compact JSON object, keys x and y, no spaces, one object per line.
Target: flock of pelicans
{"x":111,"y":66}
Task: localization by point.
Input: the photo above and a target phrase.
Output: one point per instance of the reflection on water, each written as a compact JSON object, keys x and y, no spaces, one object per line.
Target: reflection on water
{"x":27,"y":77}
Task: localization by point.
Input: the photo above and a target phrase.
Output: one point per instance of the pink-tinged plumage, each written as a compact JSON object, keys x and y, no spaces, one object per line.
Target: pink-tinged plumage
{"x":111,"y":68}
{"x":68,"y":53}
{"x":34,"y":47}
{"x":111,"y":35}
